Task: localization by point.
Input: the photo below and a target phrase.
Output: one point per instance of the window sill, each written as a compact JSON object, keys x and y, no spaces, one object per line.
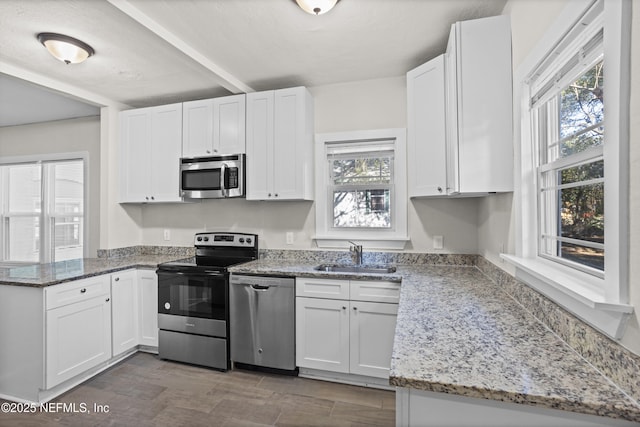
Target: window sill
{"x":576,"y":291}
{"x":327,"y":242}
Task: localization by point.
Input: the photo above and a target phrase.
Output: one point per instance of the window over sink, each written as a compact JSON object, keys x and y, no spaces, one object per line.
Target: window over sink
{"x":361,"y":189}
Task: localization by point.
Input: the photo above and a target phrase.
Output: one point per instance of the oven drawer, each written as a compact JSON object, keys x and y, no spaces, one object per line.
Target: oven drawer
{"x":193,"y":325}
{"x":195,"y":349}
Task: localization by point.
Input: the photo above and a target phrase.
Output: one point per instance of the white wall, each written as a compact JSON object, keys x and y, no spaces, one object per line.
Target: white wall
{"x":371,"y":104}
{"x":529,"y":21}
{"x":64,"y":136}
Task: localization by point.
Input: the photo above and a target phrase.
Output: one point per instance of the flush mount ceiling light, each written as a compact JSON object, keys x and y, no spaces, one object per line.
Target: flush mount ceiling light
{"x":65,"y":48}
{"x":316,"y":7}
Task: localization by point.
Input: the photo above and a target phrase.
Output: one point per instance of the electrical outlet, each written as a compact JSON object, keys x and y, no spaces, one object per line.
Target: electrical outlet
{"x":438,"y":242}
{"x":289,"y":237}
{"x":167,"y":234}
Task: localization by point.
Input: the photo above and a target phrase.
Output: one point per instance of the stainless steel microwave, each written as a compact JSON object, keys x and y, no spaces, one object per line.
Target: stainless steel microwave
{"x":212,"y":177}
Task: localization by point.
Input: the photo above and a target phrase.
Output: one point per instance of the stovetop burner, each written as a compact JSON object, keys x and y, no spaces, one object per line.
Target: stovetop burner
{"x":216,"y":251}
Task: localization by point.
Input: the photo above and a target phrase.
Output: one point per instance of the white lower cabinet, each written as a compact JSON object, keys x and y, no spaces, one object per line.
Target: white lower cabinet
{"x":322,"y":334}
{"x":342,"y":327}
{"x":372,"y":326}
{"x":124,"y":311}
{"x":70,"y":331}
{"x":148,"y":308}
{"x":78,"y":334}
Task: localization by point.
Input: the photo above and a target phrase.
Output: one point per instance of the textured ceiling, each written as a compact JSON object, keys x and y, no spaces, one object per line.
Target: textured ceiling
{"x":150,"y":52}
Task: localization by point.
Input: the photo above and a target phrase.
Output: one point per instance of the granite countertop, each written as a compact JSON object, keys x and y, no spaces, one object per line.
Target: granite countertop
{"x":458,"y":333}
{"x":42,"y":275}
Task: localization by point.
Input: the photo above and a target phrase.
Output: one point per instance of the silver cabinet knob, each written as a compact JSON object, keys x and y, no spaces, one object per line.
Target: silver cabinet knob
{"x":117,"y":279}
{"x":439,"y":189}
{"x":83,"y":290}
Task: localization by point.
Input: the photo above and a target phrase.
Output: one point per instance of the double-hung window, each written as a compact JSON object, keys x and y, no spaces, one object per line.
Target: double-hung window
{"x":361,"y":188}
{"x":573,"y":191}
{"x":567,"y":115}
{"x":42,"y":211}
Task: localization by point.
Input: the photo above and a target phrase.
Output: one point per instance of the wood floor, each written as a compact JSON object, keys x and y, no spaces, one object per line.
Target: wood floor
{"x":146,"y":391}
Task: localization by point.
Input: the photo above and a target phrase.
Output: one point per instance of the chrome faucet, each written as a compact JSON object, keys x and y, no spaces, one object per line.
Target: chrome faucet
{"x":356,"y":253}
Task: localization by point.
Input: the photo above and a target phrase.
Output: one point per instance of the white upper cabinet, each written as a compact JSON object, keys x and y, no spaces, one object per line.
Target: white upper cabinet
{"x":214,"y":127}
{"x":150,"y":147}
{"x":427,"y":135}
{"x":470,"y":87}
{"x":280,"y":145}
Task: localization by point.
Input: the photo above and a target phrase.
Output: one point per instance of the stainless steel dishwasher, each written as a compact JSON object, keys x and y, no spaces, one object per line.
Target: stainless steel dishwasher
{"x":262,"y":321}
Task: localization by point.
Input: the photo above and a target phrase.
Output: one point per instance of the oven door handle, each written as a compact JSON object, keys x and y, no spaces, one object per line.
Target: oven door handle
{"x":199,"y":274}
{"x":260,"y":287}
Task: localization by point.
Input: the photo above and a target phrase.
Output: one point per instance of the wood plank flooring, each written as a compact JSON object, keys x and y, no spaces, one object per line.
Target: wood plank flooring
{"x":146,"y":391}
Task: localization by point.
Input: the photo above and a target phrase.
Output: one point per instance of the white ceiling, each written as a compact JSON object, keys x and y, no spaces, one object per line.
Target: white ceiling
{"x":151,"y":52}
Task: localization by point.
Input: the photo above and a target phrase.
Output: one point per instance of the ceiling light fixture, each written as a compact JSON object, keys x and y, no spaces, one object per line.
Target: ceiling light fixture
{"x":316,"y":7}
{"x":65,"y":48}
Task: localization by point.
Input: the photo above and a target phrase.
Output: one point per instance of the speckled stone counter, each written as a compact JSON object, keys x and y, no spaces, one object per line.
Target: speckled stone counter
{"x":457,"y":332}
{"x":42,"y":275}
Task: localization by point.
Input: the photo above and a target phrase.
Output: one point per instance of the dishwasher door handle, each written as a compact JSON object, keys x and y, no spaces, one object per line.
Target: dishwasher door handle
{"x":260,"y":287}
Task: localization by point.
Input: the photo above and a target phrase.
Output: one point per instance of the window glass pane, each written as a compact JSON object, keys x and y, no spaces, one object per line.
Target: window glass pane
{"x":23,"y":239}
{"x":68,"y":187}
{"x":589,"y":257}
{"x":362,"y":208}
{"x":582,"y":215}
{"x":581,"y":173}
{"x":24,"y":188}
{"x":581,"y":111}
{"x":68,"y":238}
{"x":361,"y":171}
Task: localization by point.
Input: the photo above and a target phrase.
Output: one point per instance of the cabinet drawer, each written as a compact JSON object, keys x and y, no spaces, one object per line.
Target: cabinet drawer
{"x":322,"y":288}
{"x":76,"y":291}
{"x":375,"y":291}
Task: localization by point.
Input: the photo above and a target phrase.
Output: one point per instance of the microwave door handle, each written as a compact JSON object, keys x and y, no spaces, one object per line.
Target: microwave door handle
{"x":223,"y":173}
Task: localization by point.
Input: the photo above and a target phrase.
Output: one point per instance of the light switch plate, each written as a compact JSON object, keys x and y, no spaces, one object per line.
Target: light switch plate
{"x":438,"y":242}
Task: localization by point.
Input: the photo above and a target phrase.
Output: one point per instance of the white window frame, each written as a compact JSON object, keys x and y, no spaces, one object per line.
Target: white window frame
{"x":600,"y":301}
{"x":46,"y":213}
{"x":328,"y":236}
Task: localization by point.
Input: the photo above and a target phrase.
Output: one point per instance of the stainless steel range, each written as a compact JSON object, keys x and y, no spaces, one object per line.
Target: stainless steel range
{"x":193,"y":299}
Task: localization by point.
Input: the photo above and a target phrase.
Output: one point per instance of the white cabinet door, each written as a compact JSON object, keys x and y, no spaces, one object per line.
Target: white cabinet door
{"x":229,"y":123}
{"x":135,"y":131}
{"x":78,"y":337}
{"x":427,"y":131}
{"x":150,"y":146}
{"x":197,"y":128}
{"x":372,"y":330}
{"x":124,"y":311}
{"x":164,"y":150}
{"x":214,"y":127}
{"x":293,"y":144}
{"x":479,"y":65}
{"x":322,"y":334}
{"x":280,"y":145}
{"x":260,"y":113}
{"x":148,"y":308}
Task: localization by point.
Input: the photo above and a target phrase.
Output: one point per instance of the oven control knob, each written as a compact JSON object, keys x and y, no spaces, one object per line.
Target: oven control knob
{"x":241,"y":240}
{"x":249,"y":240}
{"x":167,"y":306}
{"x":199,"y":239}
{"x":206,"y":239}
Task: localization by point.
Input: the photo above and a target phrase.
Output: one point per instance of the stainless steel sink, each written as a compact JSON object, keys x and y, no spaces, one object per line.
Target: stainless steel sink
{"x":341,"y":268}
